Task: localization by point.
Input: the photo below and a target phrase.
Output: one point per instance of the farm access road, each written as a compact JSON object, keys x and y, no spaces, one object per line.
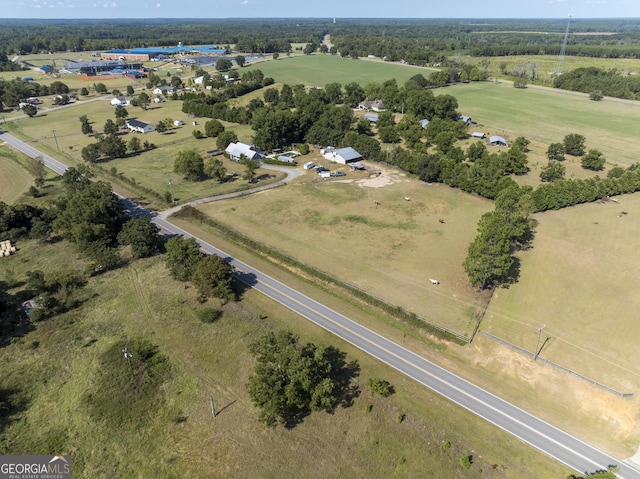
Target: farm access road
{"x":565,"y":448}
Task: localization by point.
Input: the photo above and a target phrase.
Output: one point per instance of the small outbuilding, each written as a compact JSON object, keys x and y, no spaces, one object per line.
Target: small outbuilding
{"x":498,"y":141}
{"x":478,"y":134}
{"x":424,"y":123}
{"x":371,"y":117}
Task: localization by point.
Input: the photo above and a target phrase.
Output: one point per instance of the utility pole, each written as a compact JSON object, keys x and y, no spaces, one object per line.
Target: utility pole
{"x":213,"y":410}
{"x":171,"y":186}
{"x":55,"y":138}
{"x":535,"y":353}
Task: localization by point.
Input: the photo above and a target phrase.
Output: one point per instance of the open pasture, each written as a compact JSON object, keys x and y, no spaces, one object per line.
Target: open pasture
{"x":14,"y":178}
{"x":580,"y":280}
{"x":548,"y":115}
{"x":363,"y":231}
{"x":319,"y":70}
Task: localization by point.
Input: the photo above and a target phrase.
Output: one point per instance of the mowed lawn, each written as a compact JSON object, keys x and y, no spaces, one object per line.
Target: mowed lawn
{"x":580,"y":280}
{"x":14,"y":179}
{"x":319,"y":70}
{"x":390,"y":250}
{"x":548,"y":115}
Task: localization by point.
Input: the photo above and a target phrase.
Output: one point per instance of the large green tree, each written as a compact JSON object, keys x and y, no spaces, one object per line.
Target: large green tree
{"x":292,"y":379}
{"x":593,"y":160}
{"x":213,"y":277}
{"x":183,"y":255}
{"x":142,"y":235}
{"x":190,"y":164}
{"x":574,"y":144}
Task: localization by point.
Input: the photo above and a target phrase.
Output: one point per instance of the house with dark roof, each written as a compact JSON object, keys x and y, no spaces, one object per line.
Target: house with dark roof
{"x":498,"y":141}
{"x":341,"y":155}
{"x":140,"y":126}
{"x":375,"y":105}
{"x":235,"y":150}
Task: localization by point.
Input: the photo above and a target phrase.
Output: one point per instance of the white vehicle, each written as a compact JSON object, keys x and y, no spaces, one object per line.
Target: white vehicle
{"x":308,"y":165}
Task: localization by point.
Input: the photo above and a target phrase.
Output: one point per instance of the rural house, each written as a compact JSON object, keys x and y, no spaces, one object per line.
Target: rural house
{"x":252,"y":152}
{"x":164,"y":90}
{"x":341,"y":155}
{"x":375,"y":105}
{"x":120,"y":101}
{"x":140,"y":126}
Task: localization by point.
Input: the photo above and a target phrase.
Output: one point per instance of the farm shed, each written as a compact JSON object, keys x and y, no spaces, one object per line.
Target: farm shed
{"x":371,"y":117}
{"x":341,"y":155}
{"x":478,"y":134}
{"x":235,"y":150}
{"x":498,"y":141}
{"x":140,"y":126}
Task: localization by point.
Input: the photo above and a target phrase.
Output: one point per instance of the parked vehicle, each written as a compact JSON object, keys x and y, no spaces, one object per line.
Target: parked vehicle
{"x":308,"y":165}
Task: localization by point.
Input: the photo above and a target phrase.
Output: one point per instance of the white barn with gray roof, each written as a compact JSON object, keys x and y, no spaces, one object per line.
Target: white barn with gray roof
{"x":235,"y":150}
{"x":341,"y":155}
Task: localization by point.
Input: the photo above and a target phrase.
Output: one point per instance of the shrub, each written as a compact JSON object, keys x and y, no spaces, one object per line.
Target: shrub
{"x":465,"y":461}
{"x":381,"y":387}
{"x":208,"y":315}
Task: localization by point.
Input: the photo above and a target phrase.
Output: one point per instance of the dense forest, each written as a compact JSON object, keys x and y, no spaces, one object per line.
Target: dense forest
{"x":414,"y":40}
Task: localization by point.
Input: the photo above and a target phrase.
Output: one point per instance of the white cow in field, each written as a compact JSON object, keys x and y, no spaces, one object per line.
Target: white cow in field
{"x":434,"y":281}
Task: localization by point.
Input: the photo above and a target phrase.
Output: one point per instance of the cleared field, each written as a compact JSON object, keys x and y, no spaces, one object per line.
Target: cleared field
{"x":390,"y":249}
{"x":14,"y":179}
{"x":548,"y":115}
{"x":320,"y":70}
{"x":580,"y":280}
{"x":55,"y":366}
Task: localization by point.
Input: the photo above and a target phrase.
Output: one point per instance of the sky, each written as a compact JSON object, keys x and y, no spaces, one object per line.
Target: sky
{"x":321,"y":9}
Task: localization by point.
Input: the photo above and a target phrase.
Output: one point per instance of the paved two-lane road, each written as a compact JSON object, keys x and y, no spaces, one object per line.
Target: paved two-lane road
{"x":558,"y":444}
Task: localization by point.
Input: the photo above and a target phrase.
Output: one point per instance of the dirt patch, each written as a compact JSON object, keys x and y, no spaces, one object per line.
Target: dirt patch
{"x":380,"y":177}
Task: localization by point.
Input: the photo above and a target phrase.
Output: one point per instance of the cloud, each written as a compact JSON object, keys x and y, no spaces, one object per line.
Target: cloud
{"x":245,"y":2}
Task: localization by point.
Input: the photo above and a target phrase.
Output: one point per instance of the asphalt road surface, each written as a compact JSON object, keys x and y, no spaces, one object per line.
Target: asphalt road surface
{"x":541,"y":435}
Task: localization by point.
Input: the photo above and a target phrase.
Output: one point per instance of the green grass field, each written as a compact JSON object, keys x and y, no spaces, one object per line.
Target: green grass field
{"x":319,"y":70}
{"x":584,"y":264}
{"x":14,"y":179}
{"x":52,"y":370}
{"x":548,"y":115}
